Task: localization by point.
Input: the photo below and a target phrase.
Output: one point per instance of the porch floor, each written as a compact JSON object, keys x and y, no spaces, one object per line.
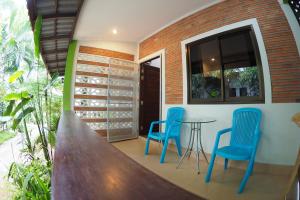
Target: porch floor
{"x":223,"y":184}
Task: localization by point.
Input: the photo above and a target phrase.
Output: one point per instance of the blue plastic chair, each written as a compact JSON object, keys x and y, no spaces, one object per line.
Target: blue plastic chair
{"x":172,"y":131}
{"x":245,"y":135}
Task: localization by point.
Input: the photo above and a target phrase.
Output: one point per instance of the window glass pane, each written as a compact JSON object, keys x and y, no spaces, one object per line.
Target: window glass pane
{"x":205,"y":68}
{"x":240,"y":67}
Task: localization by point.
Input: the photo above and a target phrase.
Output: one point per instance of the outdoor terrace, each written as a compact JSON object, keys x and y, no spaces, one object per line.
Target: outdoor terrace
{"x":126,"y":66}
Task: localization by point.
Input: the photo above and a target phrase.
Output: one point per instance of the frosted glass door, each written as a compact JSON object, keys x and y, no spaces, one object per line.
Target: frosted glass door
{"x":122,"y":100}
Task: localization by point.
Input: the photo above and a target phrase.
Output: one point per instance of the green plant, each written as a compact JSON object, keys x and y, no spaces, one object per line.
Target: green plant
{"x":18,"y":108}
{"x":6,"y":135}
{"x":28,"y":104}
{"x":32,"y":180}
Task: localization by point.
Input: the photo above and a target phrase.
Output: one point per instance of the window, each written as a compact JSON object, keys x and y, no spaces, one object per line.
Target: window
{"x":225,"y":68}
{"x":295,"y":6}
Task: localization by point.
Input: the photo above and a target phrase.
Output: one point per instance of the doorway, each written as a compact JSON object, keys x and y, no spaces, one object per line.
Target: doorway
{"x":150,"y":94}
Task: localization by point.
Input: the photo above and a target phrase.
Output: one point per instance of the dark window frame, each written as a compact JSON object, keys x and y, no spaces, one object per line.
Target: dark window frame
{"x":293,"y":7}
{"x":229,"y":100}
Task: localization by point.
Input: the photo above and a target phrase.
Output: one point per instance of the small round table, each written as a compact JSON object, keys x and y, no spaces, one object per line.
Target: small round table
{"x":195,"y":131}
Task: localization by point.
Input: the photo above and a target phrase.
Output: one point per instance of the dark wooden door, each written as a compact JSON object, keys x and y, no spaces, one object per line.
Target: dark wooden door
{"x":149,"y":97}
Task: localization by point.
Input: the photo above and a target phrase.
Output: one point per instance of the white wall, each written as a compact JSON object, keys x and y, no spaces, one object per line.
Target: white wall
{"x":280,"y":137}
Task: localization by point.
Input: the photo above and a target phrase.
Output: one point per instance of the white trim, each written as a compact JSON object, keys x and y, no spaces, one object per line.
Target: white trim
{"x":292,"y":22}
{"x":263,"y":54}
{"x":180,"y":18}
{"x":162,"y":54}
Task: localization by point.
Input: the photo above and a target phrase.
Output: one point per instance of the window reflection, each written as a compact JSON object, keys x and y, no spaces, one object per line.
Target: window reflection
{"x":205,"y":70}
{"x":225,"y":68}
{"x":240,"y":68}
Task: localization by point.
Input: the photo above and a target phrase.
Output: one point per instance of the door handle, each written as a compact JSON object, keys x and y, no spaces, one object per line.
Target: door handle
{"x":142,"y":103}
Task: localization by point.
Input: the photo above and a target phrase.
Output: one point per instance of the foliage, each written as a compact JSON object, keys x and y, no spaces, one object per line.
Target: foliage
{"x":15,"y":76}
{"x":16,"y":44}
{"x":17,"y":109}
{"x":245,"y":77}
{"x":6,"y":135}
{"x":29,"y":97}
{"x":32,"y":180}
{"x":207,"y":86}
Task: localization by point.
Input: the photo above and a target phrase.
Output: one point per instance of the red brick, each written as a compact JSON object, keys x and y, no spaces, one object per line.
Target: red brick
{"x":279,"y":42}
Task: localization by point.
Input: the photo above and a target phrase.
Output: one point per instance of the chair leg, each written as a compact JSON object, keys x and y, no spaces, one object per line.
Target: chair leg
{"x":251,"y":172}
{"x":177,"y":140}
{"x":246,"y":177}
{"x":210,"y":167}
{"x":163,"y":153}
{"x":225,"y":163}
{"x":147,"y":146}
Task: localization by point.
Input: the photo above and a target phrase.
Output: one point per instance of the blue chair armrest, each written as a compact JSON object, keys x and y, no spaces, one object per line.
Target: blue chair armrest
{"x":153,"y":123}
{"x":171,"y":126}
{"x":219,"y":134}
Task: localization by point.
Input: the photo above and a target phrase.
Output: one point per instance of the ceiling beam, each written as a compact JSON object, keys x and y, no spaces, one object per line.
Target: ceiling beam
{"x":55,"y":17}
{"x":60,"y":70}
{"x":54,"y":37}
{"x":55,"y":28}
{"x":59,"y":15}
{"x":56,"y":51}
{"x":55,"y":61}
{"x":60,"y":67}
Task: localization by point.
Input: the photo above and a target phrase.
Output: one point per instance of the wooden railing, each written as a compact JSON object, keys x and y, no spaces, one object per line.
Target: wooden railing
{"x":86,"y":166}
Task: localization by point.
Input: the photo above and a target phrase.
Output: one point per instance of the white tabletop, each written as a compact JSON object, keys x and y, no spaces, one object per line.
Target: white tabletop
{"x":198,"y":120}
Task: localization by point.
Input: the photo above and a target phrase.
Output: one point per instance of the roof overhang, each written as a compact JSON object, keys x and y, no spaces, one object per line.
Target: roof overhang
{"x":59,"y":21}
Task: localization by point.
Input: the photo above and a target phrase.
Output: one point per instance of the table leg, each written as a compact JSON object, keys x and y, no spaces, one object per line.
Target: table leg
{"x":193,"y":126}
{"x":200,"y":140}
{"x":188,"y":149}
{"x":197,"y":146}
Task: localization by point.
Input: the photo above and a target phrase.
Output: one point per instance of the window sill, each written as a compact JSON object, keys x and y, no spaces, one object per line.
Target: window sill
{"x":193,"y":102}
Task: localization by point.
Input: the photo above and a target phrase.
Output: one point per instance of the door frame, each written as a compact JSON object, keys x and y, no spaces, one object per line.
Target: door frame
{"x":162,"y":54}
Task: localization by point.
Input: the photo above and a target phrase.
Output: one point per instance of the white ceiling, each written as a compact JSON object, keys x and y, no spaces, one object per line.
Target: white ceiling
{"x":134,"y":19}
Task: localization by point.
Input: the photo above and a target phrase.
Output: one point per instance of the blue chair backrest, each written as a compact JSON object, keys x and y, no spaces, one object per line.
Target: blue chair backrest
{"x":174,"y":115}
{"x":245,"y":127}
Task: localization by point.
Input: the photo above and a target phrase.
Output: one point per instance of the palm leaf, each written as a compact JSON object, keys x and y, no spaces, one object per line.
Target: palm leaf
{"x":25,"y":184}
{"x":15,"y":76}
{"x":23,"y":114}
{"x":17,"y":96}
{"x":9,"y":108}
{"x":12,"y":96}
{"x":20,"y":106}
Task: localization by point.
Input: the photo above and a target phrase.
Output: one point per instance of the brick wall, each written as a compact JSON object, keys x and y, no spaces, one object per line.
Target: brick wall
{"x":106,"y":53}
{"x":283,"y":57}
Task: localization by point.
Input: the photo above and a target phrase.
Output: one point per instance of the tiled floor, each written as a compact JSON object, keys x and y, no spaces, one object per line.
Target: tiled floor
{"x":223,"y":185}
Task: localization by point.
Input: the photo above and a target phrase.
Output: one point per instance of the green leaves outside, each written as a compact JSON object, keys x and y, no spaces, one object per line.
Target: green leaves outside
{"x":17,"y":96}
{"x":6,"y":135}
{"x":15,"y":76}
{"x":22,"y":115}
{"x":31,"y":180}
